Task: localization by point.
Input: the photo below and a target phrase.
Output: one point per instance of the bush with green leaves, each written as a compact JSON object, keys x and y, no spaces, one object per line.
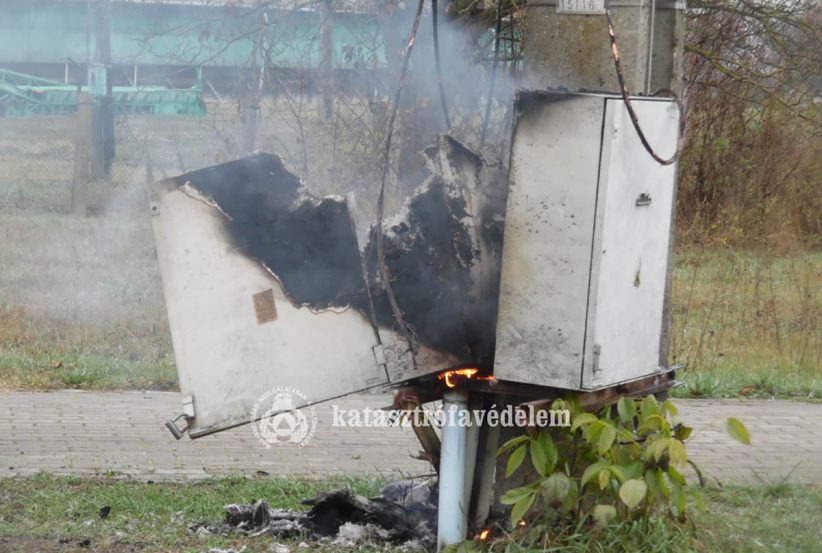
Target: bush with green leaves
{"x":622,"y":464}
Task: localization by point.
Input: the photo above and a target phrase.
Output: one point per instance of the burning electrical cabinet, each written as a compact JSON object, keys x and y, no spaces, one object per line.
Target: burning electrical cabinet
{"x":551,"y":275}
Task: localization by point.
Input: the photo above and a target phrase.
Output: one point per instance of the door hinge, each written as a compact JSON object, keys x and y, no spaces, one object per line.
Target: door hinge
{"x":379,"y":355}
{"x":188,"y":406}
{"x":597,"y":351}
{"x":596,"y":370}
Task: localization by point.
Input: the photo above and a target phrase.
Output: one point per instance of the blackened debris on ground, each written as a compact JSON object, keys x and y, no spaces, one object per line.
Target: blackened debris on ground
{"x":405,"y":513}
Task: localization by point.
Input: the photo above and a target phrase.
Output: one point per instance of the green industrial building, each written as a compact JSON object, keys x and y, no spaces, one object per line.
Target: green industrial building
{"x":165,"y":55}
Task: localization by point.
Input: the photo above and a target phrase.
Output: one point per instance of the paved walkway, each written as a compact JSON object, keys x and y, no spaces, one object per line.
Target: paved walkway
{"x":71,"y":432}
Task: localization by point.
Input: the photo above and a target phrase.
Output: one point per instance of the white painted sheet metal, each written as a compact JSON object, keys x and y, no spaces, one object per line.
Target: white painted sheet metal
{"x":265,"y":285}
{"x":547,"y":246}
{"x":585,"y":253}
{"x":236,"y":335}
{"x":631,"y":244}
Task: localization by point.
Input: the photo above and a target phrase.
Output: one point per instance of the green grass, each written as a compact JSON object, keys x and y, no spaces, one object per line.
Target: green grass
{"x":39,"y":353}
{"x":148,"y":516}
{"x":156,"y":516}
{"x":769,"y":517}
{"x":748,"y":324}
{"x":656,"y":535}
{"x":739,"y":519}
{"x":739,"y":383}
{"x":78,"y":370}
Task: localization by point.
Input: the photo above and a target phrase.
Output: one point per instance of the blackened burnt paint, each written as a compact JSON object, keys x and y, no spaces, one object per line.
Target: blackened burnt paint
{"x":308,"y":244}
{"x":432,"y":254}
{"x":428,"y":256}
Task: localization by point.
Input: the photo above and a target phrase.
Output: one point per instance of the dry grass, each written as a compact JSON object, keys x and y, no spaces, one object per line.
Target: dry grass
{"x":745,"y":322}
{"x":81,"y":304}
{"x":43,"y":354}
{"x":749,"y":322}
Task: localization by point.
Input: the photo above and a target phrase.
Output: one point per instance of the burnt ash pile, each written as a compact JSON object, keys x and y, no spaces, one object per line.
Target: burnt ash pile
{"x":442,"y":251}
{"x":404,"y":513}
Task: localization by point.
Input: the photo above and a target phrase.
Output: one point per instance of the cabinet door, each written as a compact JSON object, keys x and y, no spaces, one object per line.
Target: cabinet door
{"x":631,"y":244}
{"x":549,"y":226}
{"x":238,"y":333}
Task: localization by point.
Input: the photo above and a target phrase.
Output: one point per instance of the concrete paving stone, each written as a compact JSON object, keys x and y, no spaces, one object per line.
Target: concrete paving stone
{"x":72,"y":432}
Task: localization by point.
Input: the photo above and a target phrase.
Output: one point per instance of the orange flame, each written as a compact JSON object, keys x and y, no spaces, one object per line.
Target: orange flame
{"x":449,"y":376}
{"x":484,"y":534}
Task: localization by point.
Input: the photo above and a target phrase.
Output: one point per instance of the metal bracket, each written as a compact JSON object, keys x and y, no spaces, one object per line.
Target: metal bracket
{"x":379,"y":354}
{"x":643,"y":200}
{"x":188,"y":406}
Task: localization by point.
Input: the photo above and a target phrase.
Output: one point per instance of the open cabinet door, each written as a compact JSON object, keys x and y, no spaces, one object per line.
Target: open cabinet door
{"x":264,"y":292}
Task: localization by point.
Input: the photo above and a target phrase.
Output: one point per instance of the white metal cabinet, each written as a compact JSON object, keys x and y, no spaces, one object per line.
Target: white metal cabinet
{"x":585,"y":254}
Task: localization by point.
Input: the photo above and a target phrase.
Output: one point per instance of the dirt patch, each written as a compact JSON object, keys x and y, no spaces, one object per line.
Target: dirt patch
{"x":24,"y":544}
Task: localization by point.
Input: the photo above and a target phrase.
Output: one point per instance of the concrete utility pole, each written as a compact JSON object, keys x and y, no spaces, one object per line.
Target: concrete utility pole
{"x":105,"y":101}
{"x":94,"y":141}
{"x":567,"y":45}
{"x":82,"y":153}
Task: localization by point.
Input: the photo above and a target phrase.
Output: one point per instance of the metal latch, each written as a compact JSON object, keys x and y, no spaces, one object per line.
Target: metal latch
{"x":644,"y":199}
{"x":187,"y":414}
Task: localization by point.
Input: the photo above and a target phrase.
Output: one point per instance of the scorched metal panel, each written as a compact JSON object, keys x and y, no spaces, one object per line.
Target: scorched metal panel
{"x":585,"y":252}
{"x":237,"y":331}
{"x":548,"y":232}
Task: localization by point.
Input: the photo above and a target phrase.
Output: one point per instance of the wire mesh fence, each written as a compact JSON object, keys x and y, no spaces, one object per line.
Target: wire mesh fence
{"x":37,"y":156}
{"x":339,"y":155}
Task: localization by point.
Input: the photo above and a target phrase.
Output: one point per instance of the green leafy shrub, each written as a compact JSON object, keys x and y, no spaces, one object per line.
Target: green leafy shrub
{"x":621,"y":465}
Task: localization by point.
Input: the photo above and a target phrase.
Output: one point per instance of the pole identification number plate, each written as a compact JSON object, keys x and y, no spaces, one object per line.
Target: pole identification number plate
{"x":583,"y":7}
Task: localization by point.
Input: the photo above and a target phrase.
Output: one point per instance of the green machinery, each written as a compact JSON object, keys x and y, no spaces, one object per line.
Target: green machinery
{"x":22,"y":95}
{"x":216,"y":35}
